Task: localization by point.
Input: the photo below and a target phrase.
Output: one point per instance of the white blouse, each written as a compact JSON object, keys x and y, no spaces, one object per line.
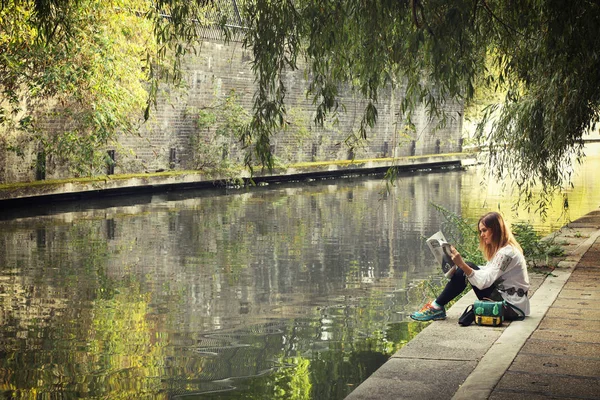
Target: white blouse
{"x":509,"y":270}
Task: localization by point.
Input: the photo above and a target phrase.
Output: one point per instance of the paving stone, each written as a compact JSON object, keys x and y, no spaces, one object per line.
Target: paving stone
{"x":569,"y":325}
{"x":587,"y":294}
{"x":536,"y":279}
{"x":593,"y":252}
{"x":550,"y":385}
{"x":581,"y":227}
{"x":582,"y":284}
{"x":567,"y":239}
{"x":561,"y":348}
{"x":575,"y":303}
{"x":590,"y":259}
{"x":574,"y":313}
{"x":576,"y":336}
{"x":585,"y":274}
{"x":513,"y":395}
{"x":587,"y":271}
{"x":557,"y":365}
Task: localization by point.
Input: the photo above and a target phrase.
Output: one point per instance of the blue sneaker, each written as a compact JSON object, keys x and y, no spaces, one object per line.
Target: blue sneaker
{"x":429,"y":313}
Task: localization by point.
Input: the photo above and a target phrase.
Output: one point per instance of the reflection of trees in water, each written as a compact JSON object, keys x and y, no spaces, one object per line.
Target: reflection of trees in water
{"x":107,"y":350}
{"x":290,"y":279}
{"x":486,"y":194}
{"x":297,"y":364}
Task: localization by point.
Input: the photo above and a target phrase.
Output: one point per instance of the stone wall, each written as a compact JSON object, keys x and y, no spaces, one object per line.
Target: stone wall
{"x":218,"y":93}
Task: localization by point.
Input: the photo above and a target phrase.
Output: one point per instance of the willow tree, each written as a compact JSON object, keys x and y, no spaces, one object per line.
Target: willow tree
{"x":542,"y":55}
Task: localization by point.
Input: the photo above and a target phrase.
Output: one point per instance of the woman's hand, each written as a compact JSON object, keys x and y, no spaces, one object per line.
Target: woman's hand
{"x":458,"y":260}
{"x":455,"y":255}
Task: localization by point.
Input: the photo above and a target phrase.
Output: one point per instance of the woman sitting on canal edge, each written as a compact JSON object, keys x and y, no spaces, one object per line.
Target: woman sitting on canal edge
{"x":503,"y":277}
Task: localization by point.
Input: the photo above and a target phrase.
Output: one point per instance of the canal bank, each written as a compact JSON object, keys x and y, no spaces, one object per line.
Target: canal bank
{"x":23,"y":194}
{"x":554,"y":353}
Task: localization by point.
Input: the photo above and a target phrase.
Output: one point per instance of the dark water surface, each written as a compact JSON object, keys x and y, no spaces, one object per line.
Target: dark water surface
{"x":295,"y":291}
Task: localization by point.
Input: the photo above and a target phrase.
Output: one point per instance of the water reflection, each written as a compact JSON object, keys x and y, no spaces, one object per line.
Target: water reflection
{"x":293,"y":291}
{"x":267,"y":291}
{"x":487,"y":194}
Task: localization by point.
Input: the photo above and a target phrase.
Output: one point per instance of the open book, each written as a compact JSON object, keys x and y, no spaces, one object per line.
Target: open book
{"x":439,"y":247}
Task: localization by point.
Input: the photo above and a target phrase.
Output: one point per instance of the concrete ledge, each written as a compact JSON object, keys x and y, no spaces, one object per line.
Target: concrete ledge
{"x":426,"y":379}
{"x":19,"y":194}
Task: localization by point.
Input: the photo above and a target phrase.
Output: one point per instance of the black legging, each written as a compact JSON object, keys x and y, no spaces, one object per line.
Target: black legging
{"x":458,"y":283}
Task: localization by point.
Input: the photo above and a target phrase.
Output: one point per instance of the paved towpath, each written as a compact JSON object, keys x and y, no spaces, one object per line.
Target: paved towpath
{"x":553,"y":354}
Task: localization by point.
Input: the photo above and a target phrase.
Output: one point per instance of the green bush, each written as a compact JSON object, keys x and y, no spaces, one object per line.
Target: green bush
{"x":463,"y":234}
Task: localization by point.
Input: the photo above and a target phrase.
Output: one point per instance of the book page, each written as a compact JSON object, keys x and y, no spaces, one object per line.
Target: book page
{"x":435,"y":243}
{"x":439,"y":246}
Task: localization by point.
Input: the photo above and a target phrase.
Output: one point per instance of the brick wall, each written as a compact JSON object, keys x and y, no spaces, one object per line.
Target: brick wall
{"x":172,"y":139}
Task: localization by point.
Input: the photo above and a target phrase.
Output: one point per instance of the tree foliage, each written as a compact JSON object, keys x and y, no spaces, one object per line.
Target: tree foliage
{"x":542,"y":54}
{"x":548,"y":62}
{"x":70,"y":63}
{"x":91,"y":66}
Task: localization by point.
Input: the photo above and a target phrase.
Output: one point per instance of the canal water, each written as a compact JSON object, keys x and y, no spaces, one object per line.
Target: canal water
{"x":292,"y":291}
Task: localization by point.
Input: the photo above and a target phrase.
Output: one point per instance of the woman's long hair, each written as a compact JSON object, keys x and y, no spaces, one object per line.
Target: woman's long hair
{"x":501,"y":235}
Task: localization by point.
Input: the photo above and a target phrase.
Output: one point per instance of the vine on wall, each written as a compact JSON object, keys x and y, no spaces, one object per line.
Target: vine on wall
{"x":218,"y":130}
